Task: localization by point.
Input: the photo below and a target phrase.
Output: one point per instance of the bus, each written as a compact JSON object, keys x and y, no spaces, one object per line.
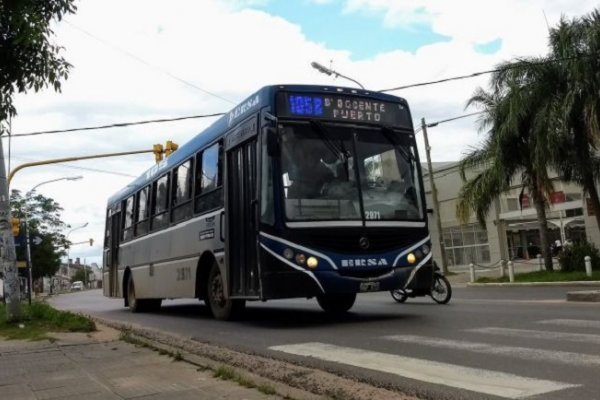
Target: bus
{"x":300,"y":191}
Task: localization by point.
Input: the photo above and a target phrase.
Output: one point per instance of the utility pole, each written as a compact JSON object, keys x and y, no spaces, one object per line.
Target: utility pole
{"x":436,"y":204}
{"x":8,"y":256}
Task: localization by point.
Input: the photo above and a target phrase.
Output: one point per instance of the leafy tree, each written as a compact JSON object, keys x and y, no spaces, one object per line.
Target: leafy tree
{"x":79,"y":276}
{"x":43,"y":218}
{"x":576,"y":100}
{"x":28,"y":59}
{"x":516,"y":144}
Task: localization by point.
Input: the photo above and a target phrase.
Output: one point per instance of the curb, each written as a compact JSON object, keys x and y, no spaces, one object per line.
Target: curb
{"x":541,"y":284}
{"x":586,"y":295}
{"x":290,"y":380}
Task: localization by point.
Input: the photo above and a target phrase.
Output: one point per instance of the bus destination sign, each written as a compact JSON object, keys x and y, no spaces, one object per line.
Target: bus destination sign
{"x":343,"y":108}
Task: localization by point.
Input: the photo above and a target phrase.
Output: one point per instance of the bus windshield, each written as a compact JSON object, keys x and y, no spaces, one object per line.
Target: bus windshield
{"x":321,"y":165}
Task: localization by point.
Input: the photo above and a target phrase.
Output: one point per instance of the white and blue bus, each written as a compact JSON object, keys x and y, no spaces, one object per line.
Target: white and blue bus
{"x":299,"y":191}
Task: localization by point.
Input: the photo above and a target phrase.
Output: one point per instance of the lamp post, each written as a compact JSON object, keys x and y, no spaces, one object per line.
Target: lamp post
{"x":69,"y":249}
{"x":328,"y":71}
{"x":26,"y":215}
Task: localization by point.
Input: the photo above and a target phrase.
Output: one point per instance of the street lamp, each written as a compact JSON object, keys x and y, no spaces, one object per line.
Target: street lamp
{"x":328,"y":71}
{"x":26,"y":215}
{"x":69,"y":249}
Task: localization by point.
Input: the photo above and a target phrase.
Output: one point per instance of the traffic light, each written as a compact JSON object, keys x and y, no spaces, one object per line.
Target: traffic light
{"x":91,"y":242}
{"x":171,"y":147}
{"x":158,"y":152}
{"x":15,"y":226}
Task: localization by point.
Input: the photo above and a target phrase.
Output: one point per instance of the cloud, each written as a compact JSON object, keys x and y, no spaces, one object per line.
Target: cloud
{"x":148,"y":59}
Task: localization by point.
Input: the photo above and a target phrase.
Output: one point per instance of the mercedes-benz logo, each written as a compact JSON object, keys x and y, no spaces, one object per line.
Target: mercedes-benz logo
{"x":363,"y":242}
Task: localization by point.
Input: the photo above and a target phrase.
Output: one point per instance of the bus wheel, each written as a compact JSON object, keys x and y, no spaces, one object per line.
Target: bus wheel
{"x":336,"y":303}
{"x":135,"y":304}
{"x":219,"y":306}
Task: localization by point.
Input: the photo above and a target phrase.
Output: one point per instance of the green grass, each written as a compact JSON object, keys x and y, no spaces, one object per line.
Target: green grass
{"x":38,"y":319}
{"x":545,"y":276}
{"x":229,"y":374}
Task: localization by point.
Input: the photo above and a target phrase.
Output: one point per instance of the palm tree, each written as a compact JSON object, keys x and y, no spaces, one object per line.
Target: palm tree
{"x":516,"y":144}
{"x":578,"y":102}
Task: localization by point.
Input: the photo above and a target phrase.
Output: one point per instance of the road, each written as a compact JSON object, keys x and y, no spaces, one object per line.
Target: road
{"x":490,"y":342}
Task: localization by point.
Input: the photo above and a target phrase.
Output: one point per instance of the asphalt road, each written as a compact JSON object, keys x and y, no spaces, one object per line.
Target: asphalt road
{"x":493,"y":342}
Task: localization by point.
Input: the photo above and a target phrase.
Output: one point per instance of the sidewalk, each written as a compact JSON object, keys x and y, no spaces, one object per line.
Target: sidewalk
{"x":99,"y":366}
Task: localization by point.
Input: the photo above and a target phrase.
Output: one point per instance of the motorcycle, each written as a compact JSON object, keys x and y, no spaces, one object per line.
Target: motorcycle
{"x":440,"y":291}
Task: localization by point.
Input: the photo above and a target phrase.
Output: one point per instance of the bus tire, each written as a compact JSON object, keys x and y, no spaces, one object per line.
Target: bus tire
{"x":135,"y":305}
{"x":220,"y":307}
{"x":336,"y":303}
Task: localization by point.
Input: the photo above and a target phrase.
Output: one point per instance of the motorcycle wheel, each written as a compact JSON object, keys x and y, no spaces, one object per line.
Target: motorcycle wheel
{"x":441,"y":292}
{"x":399,"y":295}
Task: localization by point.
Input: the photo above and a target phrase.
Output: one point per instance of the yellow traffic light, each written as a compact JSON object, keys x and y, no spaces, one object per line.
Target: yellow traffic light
{"x":170,"y":148}
{"x":158,"y":152}
{"x":15,"y":226}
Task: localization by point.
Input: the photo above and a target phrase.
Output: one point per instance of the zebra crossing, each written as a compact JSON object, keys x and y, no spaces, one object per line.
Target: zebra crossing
{"x":485,"y":381}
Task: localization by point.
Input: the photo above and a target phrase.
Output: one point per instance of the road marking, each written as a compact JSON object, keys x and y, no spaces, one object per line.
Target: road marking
{"x":563,"y":357}
{"x":574,"y":323}
{"x":478,"y":380}
{"x":532,"y":334}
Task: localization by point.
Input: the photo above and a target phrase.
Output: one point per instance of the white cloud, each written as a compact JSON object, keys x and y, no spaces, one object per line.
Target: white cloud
{"x":225,"y":48}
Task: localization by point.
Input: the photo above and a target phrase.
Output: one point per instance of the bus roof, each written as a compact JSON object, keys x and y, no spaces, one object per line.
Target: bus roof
{"x":262,"y":98}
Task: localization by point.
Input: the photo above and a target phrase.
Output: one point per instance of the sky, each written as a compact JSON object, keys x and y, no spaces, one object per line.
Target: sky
{"x":147,"y":59}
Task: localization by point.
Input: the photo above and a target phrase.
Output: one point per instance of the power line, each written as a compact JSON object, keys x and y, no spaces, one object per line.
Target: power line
{"x":475,"y":74}
{"x":432,"y":124}
{"x":103,"y":171}
{"x":141,"y":60}
{"x":118,"y":125}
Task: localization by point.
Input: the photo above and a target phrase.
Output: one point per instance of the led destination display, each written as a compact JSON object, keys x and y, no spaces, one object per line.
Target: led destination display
{"x":342,"y":108}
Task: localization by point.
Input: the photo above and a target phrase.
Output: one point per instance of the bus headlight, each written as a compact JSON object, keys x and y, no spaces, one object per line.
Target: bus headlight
{"x":300,"y":259}
{"x":411,"y":258}
{"x":312,"y":262}
{"x":425,"y":249}
{"x":288,"y":253}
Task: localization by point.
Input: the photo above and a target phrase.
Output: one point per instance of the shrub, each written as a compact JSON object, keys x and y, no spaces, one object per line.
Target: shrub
{"x":571,"y":258}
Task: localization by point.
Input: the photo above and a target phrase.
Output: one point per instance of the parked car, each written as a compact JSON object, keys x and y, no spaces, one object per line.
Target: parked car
{"x":77,"y":285}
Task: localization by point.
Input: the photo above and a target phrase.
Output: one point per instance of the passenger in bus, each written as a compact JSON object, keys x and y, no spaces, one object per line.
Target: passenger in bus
{"x":312,"y":179}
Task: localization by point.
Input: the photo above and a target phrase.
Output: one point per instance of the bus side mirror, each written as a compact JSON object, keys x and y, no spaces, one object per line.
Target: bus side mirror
{"x":272,"y":141}
{"x":430,"y":211}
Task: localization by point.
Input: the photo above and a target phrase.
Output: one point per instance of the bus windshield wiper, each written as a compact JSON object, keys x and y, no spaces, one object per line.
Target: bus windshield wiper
{"x":320,"y":129}
{"x":389,"y":134}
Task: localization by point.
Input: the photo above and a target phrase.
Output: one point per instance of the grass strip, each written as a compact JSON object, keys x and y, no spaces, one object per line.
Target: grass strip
{"x":545,"y":276}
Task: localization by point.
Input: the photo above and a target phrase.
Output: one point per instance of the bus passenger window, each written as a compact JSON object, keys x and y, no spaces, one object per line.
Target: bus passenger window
{"x":210,"y":167}
{"x":128,"y":221}
{"x":160,"y":194}
{"x":182,"y":191}
{"x":141,"y":220}
{"x":209,"y":191}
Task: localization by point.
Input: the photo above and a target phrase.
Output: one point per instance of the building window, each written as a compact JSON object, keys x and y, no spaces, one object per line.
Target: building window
{"x":466,"y":244}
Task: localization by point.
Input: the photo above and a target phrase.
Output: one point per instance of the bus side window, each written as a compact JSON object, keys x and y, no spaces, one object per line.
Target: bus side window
{"x":209,"y":177}
{"x":160,"y":202}
{"x":141,"y":219}
{"x":128,"y":219}
{"x":182,"y":191}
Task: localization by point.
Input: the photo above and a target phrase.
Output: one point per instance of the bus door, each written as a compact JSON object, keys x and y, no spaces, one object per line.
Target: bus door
{"x":241,"y":211}
{"x":113,"y":256}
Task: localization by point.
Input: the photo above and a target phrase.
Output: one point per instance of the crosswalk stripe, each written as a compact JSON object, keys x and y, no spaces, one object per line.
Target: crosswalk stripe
{"x":563,"y":357}
{"x":574,"y":323}
{"x":533,"y":334}
{"x":500,"y":384}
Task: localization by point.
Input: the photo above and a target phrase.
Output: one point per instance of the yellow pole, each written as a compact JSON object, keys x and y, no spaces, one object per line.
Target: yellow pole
{"x":67,"y":159}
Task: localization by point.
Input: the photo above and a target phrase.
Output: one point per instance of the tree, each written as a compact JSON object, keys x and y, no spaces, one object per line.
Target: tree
{"x":28,"y":60}
{"x":44,"y":221}
{"x":516,"y":144}
{"x":576,"y":100}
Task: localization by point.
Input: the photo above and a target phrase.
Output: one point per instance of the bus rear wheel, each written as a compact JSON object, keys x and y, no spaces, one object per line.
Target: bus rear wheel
{"x":221,"y":307}
{"x":140,"y":305}
{"x":336,"y":303}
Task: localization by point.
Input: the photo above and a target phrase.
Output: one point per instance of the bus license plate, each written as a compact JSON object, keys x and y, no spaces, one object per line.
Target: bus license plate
{"x":369,"y":286}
